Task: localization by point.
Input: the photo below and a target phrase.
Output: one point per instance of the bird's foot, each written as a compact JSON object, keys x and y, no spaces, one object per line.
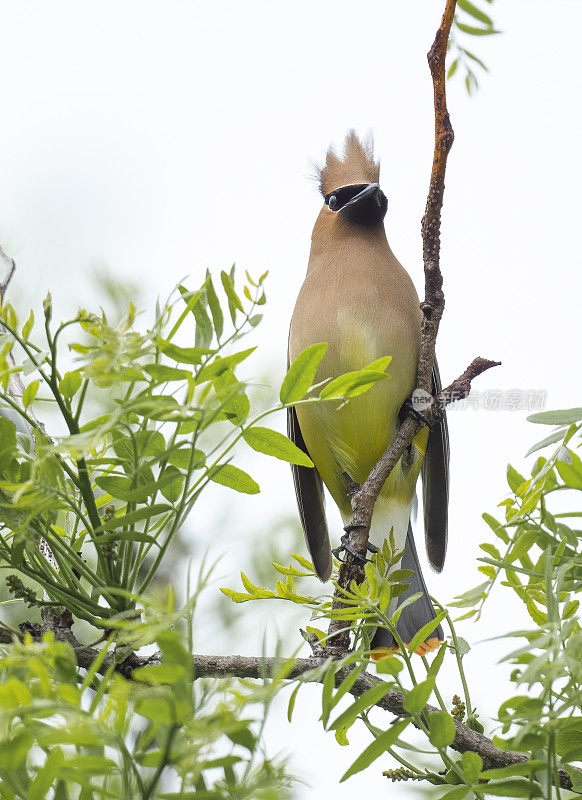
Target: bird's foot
{"x":345,"y":547}
{"x":409,"y":409}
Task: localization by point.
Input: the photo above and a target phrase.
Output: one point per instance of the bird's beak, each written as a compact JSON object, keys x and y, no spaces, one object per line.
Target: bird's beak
{"x":373,"y":188}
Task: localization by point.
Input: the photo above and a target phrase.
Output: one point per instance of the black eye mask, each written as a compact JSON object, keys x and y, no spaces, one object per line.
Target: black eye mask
{"x":338,"y":198}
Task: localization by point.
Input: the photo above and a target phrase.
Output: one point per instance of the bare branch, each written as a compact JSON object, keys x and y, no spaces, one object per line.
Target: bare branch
{"x":460,"y":388}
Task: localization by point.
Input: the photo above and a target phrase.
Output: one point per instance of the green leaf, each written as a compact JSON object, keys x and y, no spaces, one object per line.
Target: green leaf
{"x":476,"y":31}
{"x":475,"y":12}
{"x":234,"y":302}
{"x":204,"y":330}
{"x":341,"y":737}
{"x":376,"y":749}
{"x":8,"y":447}
{"x":243,"y":737}
{"x":425,"y":631}
{"x":575,"y":776}
{"x":238,"y":597}
{"x":472,"y":766}
{"x":234,"y":402}
{"x":121,"y":488}
{"x":234,"y":478}
{"x":442,"y":729}
{"x":40,"y":786}
{"x":514,"y":479}
{"x":303,"y":562}
{"x":453,"y":68}
{"x":328,"y":687}
{"x":173,"y":482}
{"x":195,"y":303}
{"x":512,"y":787}
{"x":157,"y":709}
{"x":184,"y":459}
{"x":458,"y":793}
{"x":363,"y":703}
{"x":159,"y":674}
{"x":522,"y":768}
{"x":564,"y":417}
{"x":571,"y":474}
{"x":256,"y":591}
{"x":70,"y":384}
{"x":292,"y":699}
{"x":30,"y":393}
{"x":14,"y":750}
{"x":346,"y":685}
{"x":437,"y":661}
{"x":161,"y":373}
{"x":353,"y":384}
{"x":476,"y":60}
{"x":496,"y":527}
{"x":151,"y":442}
{"x":389,"y":665}
{"x":174,"y":651}
{"x":273,"y":443}
{"x":136,"y":516}
{"x":214,"y":306}
{"x":28,"y":326}
{"x":417,"y":697}
{"x":463,"y":646}
{"x":301,"y":373}
{"x":184,"y":355}
{"x":220,"y":365}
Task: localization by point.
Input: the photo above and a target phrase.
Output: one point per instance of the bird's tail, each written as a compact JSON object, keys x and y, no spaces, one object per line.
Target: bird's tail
{"x":414,"y":616}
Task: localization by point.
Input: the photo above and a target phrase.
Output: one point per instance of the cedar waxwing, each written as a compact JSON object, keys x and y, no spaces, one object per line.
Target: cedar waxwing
{"x":360,"y":300}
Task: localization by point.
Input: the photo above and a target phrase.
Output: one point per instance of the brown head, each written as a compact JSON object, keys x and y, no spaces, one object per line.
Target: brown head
{"x":349,"y":185}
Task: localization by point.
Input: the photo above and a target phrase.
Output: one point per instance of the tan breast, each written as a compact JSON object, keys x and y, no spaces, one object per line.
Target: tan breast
{"x":359,"y":299}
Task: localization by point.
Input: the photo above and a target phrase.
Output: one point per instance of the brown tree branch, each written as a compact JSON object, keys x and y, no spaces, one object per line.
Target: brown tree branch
{"x":460,"y":388}
{"x":234,"y":666}
{"x":365,"y":496}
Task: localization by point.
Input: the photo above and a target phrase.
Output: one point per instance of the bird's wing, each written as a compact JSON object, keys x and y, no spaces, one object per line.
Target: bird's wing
{"x":435,"y":486}
{"x":309,"y":493}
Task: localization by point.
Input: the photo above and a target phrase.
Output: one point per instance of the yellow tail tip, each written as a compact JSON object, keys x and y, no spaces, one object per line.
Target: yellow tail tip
{"x":421,"y":650}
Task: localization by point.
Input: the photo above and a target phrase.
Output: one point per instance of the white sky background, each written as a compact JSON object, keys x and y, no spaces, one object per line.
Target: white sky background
{"x":160,"y":138}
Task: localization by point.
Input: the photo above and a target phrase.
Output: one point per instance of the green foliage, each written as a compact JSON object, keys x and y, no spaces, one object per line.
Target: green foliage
{"x":106,"y":736}
{"x":471,"y":19}
{"x":110,"y":496}
{"x":535,"y":555}
{"x":151,"y":417}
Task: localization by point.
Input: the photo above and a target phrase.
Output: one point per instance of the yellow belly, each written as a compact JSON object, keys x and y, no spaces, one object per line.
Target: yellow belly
{"x":351,"y":439}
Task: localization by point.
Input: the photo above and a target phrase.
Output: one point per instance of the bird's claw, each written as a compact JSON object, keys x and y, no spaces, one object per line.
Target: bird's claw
{"x":408,"y":410}
{"x":345,"y":547}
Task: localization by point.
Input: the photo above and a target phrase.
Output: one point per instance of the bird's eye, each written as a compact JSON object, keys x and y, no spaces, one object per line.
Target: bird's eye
{"x":332,"y":202}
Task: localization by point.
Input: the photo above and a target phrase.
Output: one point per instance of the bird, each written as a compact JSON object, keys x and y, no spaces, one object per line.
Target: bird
{"x":360,"y":300}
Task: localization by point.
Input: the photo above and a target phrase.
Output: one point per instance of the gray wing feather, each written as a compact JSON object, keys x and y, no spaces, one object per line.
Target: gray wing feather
{"x":310,"y":499}
{"x":435,"y":486}
{"x":417,"y":614}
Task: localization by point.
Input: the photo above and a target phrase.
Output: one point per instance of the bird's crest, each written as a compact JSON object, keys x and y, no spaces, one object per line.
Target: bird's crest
{"x":356,"y":166}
